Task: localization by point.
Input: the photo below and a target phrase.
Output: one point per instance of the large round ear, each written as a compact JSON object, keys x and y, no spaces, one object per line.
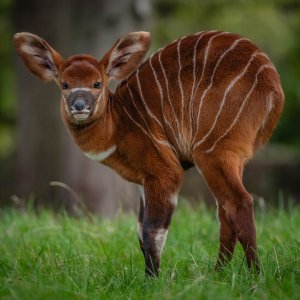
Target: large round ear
{"x":41,"y":59}
{"x":126,"y":54}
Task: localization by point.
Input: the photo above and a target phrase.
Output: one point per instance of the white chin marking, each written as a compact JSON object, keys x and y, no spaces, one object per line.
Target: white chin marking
{"x":80,"y":117}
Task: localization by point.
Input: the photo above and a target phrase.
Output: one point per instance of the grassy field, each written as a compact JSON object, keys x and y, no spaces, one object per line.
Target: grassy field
{"x":59,"y":257}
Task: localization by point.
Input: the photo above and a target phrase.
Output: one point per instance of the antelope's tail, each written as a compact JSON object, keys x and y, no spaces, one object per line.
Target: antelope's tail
{"x":276,"y":101}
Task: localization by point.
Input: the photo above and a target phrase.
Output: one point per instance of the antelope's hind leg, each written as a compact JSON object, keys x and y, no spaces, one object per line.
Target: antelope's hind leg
{"x":223,"y":174}
{"x":227,"y":238}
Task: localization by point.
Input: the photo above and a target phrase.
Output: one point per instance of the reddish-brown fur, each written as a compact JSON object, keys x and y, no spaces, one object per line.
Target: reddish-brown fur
{"x":210,"y":100}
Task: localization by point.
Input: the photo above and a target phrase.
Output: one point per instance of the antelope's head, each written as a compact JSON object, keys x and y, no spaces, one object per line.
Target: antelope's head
{"x":83,"y":79}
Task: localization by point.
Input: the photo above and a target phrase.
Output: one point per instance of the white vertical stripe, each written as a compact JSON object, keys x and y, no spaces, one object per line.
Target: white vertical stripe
{"x":241,"y":108}
{"x":181,"y":89}
{"x":206,"y":53}
{"x":200,"y":34}
{"x":161,"y":100}
{"x":270,"y":106}
{"x":230,"y":86}
{"x":152,"y":138}
{"x":234,"y":44}
{"x":149,"y":131}
{"x":134,"y":104}
{"x":168,"y":94}
{"x":144,"y":102}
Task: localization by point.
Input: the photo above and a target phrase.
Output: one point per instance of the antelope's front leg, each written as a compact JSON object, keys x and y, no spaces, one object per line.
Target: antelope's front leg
{"x":160,"y":202}
{"x":141,"y":218}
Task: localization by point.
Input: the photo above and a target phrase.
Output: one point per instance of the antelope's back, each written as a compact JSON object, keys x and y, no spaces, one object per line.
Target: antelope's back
{"x":204,"y":92}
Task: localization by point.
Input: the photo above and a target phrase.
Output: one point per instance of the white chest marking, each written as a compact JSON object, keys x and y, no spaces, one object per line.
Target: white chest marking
{"x":101,"y":155}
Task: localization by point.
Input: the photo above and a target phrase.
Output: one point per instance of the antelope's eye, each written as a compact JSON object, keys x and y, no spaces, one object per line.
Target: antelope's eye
{"x":64,"y":86}
{"x":97,"y":85}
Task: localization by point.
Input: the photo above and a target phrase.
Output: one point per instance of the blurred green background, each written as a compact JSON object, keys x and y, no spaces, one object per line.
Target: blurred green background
{"x":34,"y":147}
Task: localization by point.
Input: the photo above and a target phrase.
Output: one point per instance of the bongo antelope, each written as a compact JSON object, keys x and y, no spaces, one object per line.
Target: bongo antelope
{"x":209,"y":100}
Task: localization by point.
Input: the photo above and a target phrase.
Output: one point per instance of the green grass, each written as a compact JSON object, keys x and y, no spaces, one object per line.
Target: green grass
{"x":59,"y":257}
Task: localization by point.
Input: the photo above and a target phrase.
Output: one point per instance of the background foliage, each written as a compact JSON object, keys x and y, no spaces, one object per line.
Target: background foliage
{"x":7,"y":95}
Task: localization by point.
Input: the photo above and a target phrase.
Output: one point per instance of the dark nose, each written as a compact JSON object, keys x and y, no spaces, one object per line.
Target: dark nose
{"x":79,"y":104}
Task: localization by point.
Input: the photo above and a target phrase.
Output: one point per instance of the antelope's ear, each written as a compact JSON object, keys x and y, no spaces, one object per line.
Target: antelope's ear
{"x":126,"y":54}
{"x":41,"y":59}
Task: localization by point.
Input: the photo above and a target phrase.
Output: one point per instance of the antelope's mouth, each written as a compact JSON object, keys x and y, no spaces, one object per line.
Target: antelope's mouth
{"x":80,"y":115}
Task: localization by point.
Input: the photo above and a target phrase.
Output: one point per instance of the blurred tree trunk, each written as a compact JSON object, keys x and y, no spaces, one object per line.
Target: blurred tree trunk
{"x":45,"y":152}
